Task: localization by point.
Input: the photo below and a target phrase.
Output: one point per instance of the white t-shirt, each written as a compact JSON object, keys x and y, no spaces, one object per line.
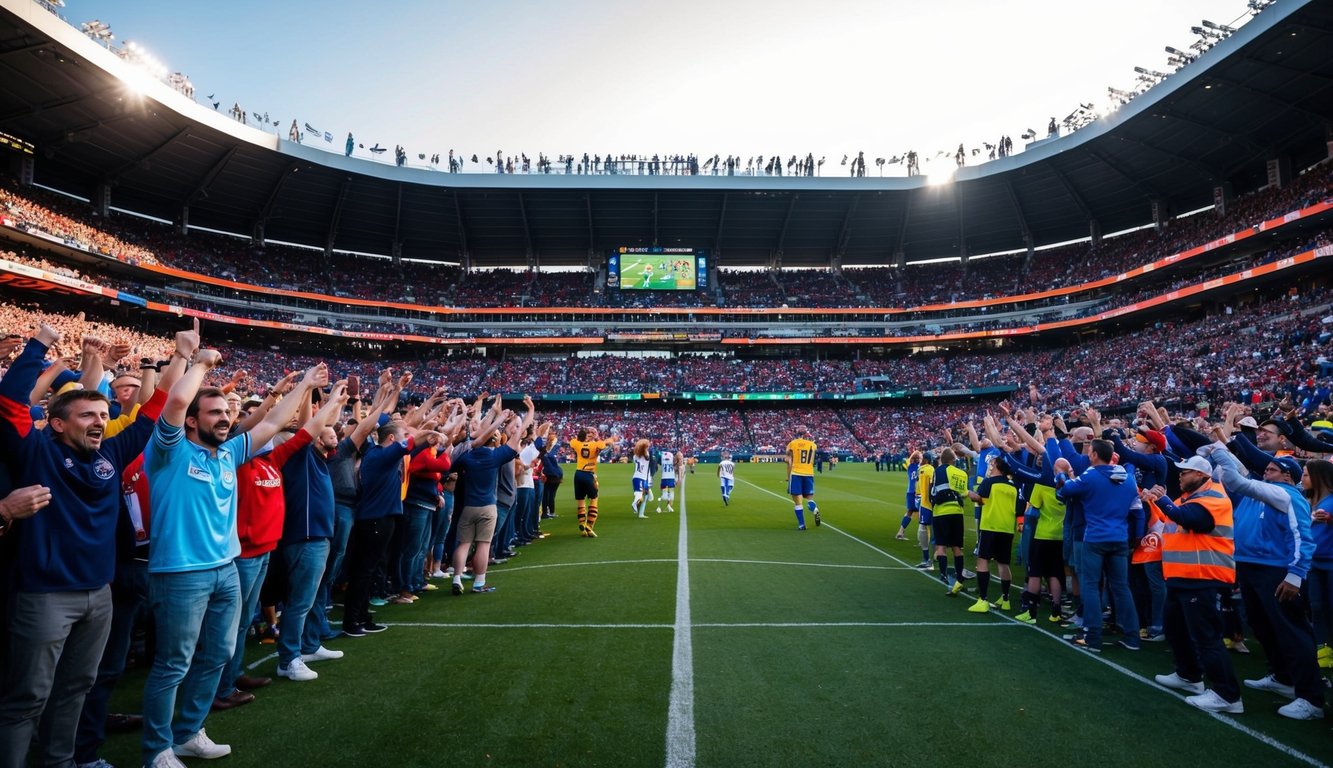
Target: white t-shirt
{"x":668,"y":466}
{"x":727,"y":470}
{"x":523,"y":479}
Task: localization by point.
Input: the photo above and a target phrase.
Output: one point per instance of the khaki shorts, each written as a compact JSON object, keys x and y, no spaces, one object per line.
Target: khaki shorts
{"x":476,"y":524}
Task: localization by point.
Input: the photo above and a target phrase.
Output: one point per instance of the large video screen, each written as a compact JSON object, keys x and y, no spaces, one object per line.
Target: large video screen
{"x":657,"y":269}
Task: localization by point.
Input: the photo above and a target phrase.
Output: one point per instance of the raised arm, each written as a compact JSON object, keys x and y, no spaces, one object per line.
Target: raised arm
{"x":282,"y":413}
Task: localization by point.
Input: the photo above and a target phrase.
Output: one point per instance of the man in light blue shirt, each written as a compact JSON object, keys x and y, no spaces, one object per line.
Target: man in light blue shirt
{"x":193,"y":588}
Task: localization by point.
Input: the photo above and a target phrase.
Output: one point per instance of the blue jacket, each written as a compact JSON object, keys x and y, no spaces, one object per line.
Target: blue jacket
{"x":1323,"y":536}
{"x":1107,"y":493}
{"x":71,"y":544}
{"x":1272,"y":520}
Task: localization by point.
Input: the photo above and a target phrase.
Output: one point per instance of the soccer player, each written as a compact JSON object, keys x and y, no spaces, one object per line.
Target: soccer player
{"x":801,"y":475}
{"x":925,"y":533}
{"x":997,"y":497}
{"x":947,"y":489}
{"x":647,"y":275}
{"x":726,"y":475}
{"x":913,"y":471}
{"x":587,"y":447}
{"x":642,"y":479}
{"x":671,"y":460}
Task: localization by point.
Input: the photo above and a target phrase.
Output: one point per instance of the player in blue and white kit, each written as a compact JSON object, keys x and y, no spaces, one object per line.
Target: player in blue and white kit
{"x":726,"y":474}
{"x":913,"y":474}
{"x":642,"y":478}
{"x":671,"y":462}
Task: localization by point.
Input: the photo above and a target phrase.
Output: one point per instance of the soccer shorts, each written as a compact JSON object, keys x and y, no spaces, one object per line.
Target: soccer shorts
{"x":1044,"y":559}
{"x":949,"y":531}
{"x":585,"y":485}
{"x":927,"y":516}
{"x":801,"y":485}
{"x":911,"y":503}
{"x":641,"y":484}
{"x":668,"y":482}
{"x":993,"y":545}
{"x":727,"y":485}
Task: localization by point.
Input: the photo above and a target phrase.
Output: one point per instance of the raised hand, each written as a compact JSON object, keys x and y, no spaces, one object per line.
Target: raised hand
{"x":316,"y":376}
{"x":209,"y":358}
{"x":285,"y":384}
{"x":187,"y":342}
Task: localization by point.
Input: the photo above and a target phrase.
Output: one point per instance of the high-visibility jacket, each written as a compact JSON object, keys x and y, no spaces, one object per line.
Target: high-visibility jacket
{"x":1202,"y":556}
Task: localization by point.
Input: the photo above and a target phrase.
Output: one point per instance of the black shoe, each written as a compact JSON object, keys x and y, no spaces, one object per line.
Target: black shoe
{"x":372,"y":627}
{"x":458,"y":588}
{"x":353,"y":632}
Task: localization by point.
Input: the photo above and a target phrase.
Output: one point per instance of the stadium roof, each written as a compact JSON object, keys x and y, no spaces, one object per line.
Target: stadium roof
{"x":1265,"y":92}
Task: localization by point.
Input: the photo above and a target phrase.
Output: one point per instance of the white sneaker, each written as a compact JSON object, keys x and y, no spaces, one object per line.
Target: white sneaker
{"x":1300,"y":709}
{"x":297,"y":671}
{"x":438,"y":574}
{"x":323,"y":654}
{"x":1211,"y":702}
{"x":166,"y":759}
{"x":1270,"y":683}
{"x":199,"y":745}
{"x":969,"y":574}
{"x":1179,"y":683}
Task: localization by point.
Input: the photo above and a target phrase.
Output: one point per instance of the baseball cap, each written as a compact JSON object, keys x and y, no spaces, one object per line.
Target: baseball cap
{"x":1282,"y":426}
{"x":1324,"y":427}
{"x":1196,"y":463}
{"x":1249,"y":422}
{"x":1290,"y":466}
{"x":1153,"y":438}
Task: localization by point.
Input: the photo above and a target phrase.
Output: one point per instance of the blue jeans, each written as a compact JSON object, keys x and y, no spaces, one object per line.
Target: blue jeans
{"x":129,"y":594}
{"x":523,"y":507}
{"x":1157,"y":593}
{"x":302,"y":628}
{"x":251,"y":572}
{"x":343,"y":517}
{"x":411,"y":561}
{"x":439,"y":529}
{"x":56,"y":643}
{"x":194,"y":610}
{"x":504,"y":528}
{"x":1113,"y":558}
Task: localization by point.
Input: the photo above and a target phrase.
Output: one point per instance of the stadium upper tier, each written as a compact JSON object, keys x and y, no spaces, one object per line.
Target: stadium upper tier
{"x":1251,"y":109}
{"x":204,"y":270}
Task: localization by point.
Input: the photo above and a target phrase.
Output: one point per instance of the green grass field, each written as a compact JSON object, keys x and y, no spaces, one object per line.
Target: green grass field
{"x":784,"y":648}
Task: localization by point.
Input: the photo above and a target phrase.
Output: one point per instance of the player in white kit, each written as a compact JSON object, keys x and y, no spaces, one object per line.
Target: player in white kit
{"x":642,"y":478}
{"x":726,"y":475}
{"x":672,"y":461}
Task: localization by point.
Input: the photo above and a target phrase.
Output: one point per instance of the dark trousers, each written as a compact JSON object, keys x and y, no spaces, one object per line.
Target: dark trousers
{"x":371,"y":539}
{"x":548,"y":496}
{"x":1194,"y":630}
{"x":1282,"y":628}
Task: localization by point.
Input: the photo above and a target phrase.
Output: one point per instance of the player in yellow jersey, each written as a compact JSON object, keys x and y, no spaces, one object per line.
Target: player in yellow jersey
{"x":801,"y":475}
{"x":587,"y":446}
{"x":925,"y":533}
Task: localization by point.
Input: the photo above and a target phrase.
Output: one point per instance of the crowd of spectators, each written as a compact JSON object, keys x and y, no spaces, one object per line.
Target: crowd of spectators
{"x":342,"y":275}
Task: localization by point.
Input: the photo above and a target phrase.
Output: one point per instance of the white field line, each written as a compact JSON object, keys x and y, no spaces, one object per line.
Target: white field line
{"x":1221,"y":718}
{"x":680,"y":739}
{"x":711,"y":625}
{"x":799,"y":565}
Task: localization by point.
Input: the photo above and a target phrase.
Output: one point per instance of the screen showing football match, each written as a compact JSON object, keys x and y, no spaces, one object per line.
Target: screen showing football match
{"x":657,"y":269}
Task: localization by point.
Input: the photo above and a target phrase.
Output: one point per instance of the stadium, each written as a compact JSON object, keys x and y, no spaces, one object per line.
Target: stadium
{"x":1158,"y":271}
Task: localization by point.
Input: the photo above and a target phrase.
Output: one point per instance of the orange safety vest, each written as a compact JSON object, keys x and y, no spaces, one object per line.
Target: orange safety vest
{"x":1212,"y":555}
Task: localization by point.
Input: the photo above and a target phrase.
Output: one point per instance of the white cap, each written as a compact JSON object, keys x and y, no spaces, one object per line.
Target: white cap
{"x":1248,"y":421}
{"x":1196,"y":463}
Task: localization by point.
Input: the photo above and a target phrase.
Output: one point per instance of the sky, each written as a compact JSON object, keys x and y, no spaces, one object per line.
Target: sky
{"x":742,"y":77}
